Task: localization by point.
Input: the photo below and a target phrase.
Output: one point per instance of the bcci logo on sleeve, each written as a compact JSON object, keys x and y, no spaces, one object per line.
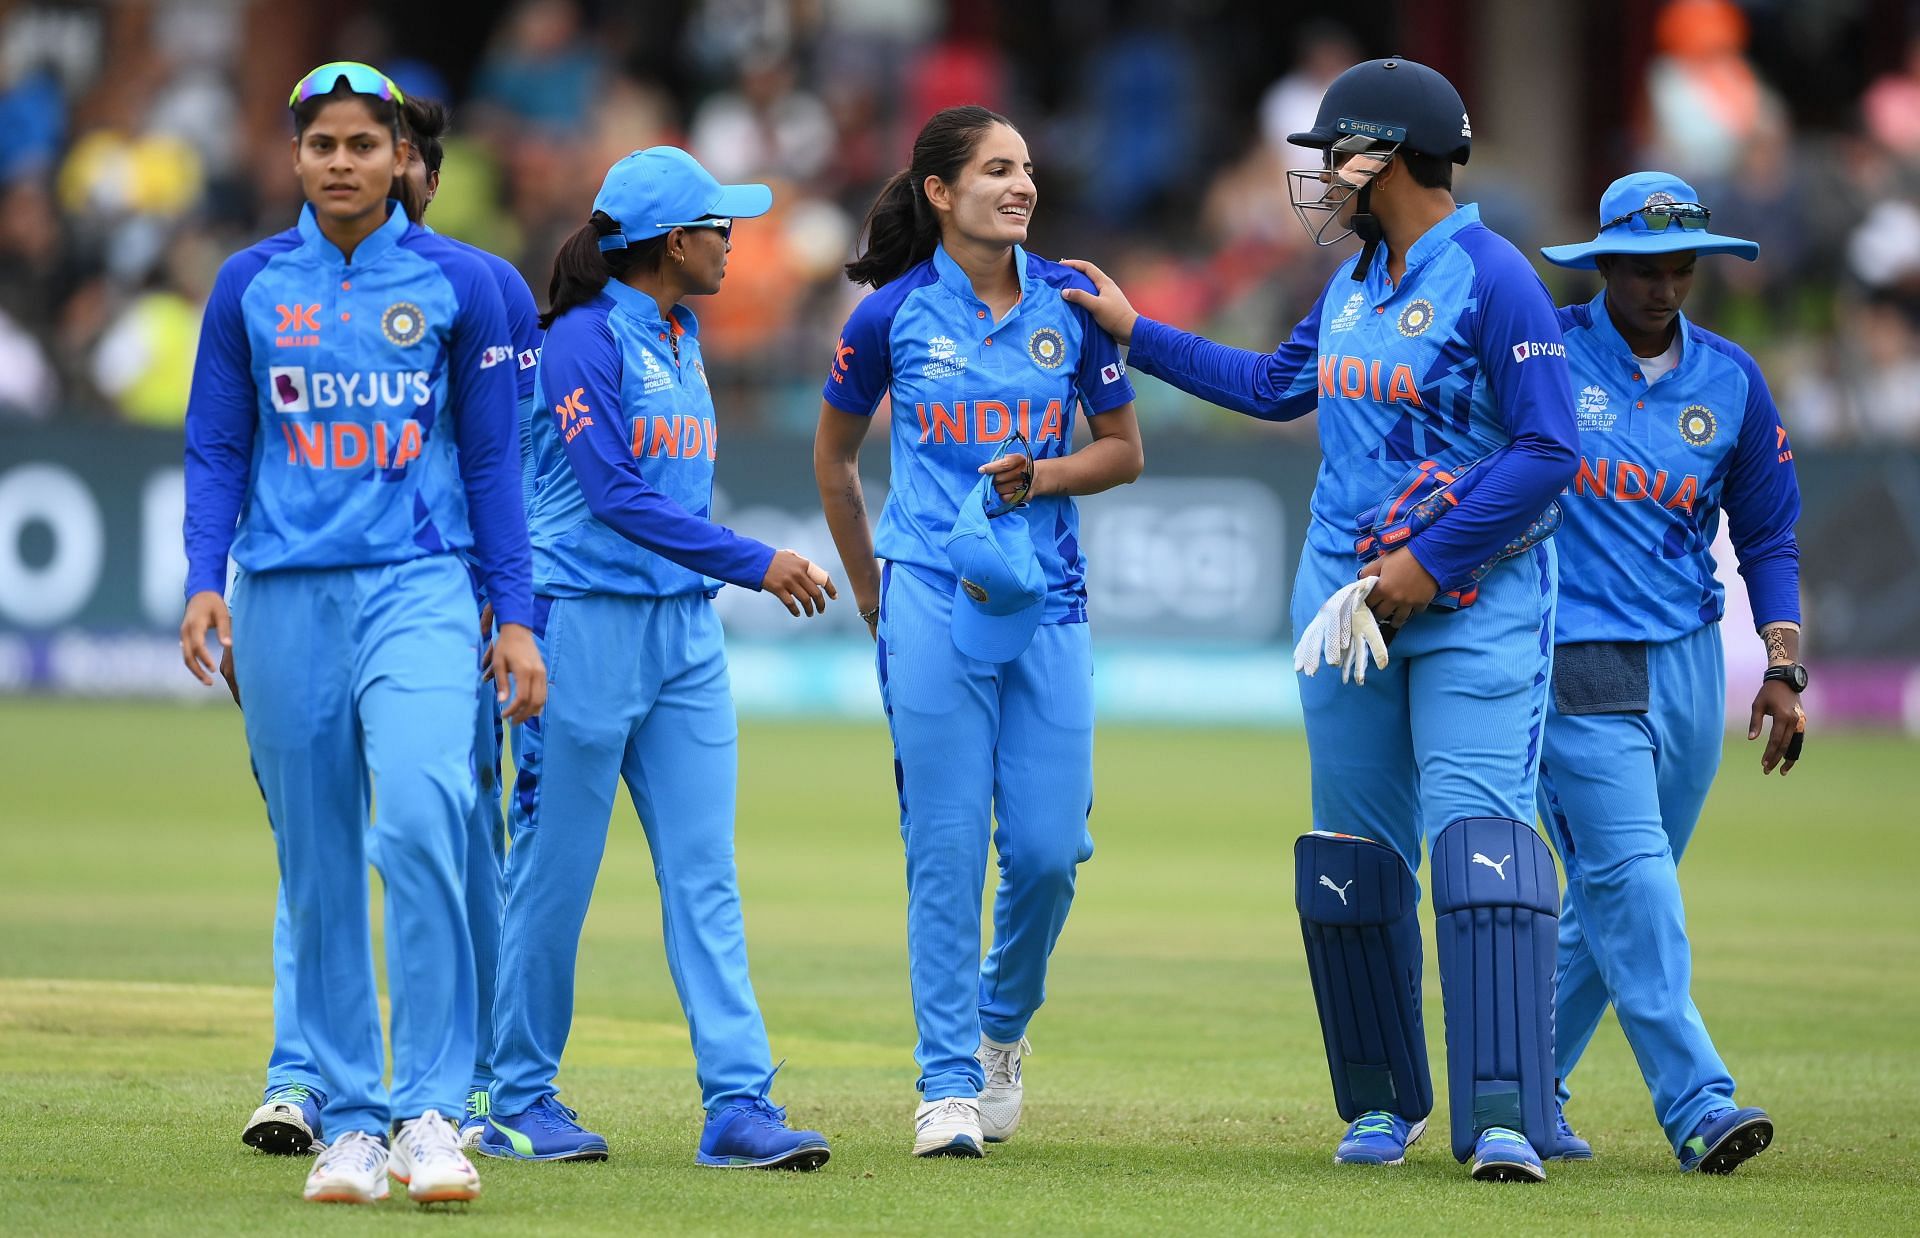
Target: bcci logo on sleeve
{"x":1698,"y":425}
{"x":1416,"y":318}
{"x":1047,"y":348}
{"x":403,"y":324}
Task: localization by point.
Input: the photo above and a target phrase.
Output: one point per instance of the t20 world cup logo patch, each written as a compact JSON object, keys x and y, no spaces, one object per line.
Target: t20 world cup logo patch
{"x":1416,"y":318}
{"x":1697,"y":425}
{"x":1047,"y":348}
{"x":403,"y":323}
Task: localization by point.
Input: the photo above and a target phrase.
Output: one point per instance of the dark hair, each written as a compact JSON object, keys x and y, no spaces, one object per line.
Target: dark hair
{"x":901,"y":227}
{"x":581,"y":268}
{"x":1428,"y":171}
{"x":306,"y":111}
{"x":424,"y":122}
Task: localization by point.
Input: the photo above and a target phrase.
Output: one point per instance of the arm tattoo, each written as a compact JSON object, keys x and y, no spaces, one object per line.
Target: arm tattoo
{"x":856,"y":502}
{"x":1776,"y":639}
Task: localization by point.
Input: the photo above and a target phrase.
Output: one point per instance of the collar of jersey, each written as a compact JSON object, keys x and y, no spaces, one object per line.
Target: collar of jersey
{"x":1610,"y":338}
{"x":384,"y":238}
{"x":954,"y":278}
{"x":647,"y":310}
{"x":1431,"y":242}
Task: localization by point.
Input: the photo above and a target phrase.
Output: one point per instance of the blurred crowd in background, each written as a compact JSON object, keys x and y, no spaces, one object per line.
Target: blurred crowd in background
{"x":129,"y":169}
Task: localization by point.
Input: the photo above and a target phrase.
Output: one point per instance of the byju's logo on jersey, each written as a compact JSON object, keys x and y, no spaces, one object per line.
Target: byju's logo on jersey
{"x":289,"y":384}
{"x":403,"y":324}
{"x":1047,"y":348}
{"x":529,"y":357}
{"x":497,"y":354}
{"x":1535,"y":348}
{"x":1698,"y":425}
{"x":1416,"y":318}
{"x":1592,"y":409}
{"x":1349,"y":314}
{"x":654,"y":376}
{"x":943,"y":358}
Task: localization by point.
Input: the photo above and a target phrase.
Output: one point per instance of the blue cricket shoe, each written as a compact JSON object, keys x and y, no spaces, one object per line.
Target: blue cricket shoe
{"x":1724,"y":1139}
{"x":1567,"y":1146}
{"x":1503,"y":1155}
{"x":287,"y":1123}
{"x":752,"y":1133}
{"x":545,"y":1132}
{"x":1378,"y":1138}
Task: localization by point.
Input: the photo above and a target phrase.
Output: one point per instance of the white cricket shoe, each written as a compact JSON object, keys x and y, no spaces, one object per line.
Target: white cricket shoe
{"x":353,"y":1170}
{"x":948,"y":1127}
{"x":1000,"y":1099}
{"x":428,"y":1159}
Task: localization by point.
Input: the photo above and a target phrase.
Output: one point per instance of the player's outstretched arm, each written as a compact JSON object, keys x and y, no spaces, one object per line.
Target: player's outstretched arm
{"x":836,"y":471}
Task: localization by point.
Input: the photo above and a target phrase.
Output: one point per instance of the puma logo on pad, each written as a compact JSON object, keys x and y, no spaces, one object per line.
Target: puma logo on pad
{"x":1340,"y":890}
{"x":1498,"y":868}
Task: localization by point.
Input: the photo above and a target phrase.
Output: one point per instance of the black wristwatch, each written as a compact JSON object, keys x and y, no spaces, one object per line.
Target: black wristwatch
{"x":1793,"y":675}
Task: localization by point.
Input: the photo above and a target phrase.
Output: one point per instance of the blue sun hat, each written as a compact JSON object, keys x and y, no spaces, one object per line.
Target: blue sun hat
{"x":1650,"y":213}
{"x":1001,"y":590}
{"x":653,"y":191}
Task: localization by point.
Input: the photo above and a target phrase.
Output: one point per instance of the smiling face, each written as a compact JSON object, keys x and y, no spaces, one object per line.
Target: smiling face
{"x":347,"y":161}
{"x":991,"y":202}
{"x":1645,"y":291}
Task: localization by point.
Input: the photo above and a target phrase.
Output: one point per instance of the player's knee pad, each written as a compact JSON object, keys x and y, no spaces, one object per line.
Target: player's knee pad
{"x":1357,"y":904}
{"x":1496,"y":903}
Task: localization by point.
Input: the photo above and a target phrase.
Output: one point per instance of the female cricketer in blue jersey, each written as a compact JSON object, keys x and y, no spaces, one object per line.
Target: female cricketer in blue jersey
{"x":980,"y":612}
{"x":626,"y":560}
{"x":1676,"y":424}
{"x":351,"y":431}
{"x":1436,"y":363}
{"x":287,"y":1120}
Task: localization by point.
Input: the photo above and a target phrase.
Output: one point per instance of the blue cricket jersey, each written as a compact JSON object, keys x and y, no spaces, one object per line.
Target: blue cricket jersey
{"x":961,"y":384}
{"x":352,"y":413}
{"x":1657,"y":463}
{"x":1462,"y":359}
{"x":622,"y":458}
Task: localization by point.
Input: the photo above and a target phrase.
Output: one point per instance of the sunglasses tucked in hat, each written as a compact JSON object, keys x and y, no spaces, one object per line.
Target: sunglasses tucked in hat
{"x":1002,"y":591}
{"x":1650,"y":213}
{"x":651,"y":192}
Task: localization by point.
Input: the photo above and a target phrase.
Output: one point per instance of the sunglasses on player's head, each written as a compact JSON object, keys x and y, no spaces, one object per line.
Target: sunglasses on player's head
{"x":362,"y":79}
{"x":1015,"y":445}
{"x":1663,"y":215}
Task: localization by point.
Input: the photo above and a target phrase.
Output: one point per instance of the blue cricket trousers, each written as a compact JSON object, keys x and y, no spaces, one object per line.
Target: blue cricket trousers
{"x":977,"y":741}
{"x":1621,"y":794}
{"x":357,"y":679}
{"x":637,"y":689}
{"x":291,"y":1062}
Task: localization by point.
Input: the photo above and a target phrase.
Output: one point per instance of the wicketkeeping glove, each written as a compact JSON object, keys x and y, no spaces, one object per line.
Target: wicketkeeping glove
{"x":1344,"y":634}
{"x":1425,"y":494}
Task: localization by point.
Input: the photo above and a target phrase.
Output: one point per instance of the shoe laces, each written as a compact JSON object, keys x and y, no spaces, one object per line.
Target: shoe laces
{"x":964,"y":1108}
{"x":555,"y":1117}
{"x":1003,"y":1065}
{"x":1501,"y":1134}
{"x":762,"y":1112}
{"x":479,"y":1103}
{"x":429,"y":1138}
{"x":1564,"y":1128}
{"x":1372,"y":1122}
{"x":298,"y":1093}
{"x":355,"y":1150}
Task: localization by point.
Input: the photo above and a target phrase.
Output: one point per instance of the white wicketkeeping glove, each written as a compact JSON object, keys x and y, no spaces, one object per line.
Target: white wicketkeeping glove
{"x":1343,"y":634}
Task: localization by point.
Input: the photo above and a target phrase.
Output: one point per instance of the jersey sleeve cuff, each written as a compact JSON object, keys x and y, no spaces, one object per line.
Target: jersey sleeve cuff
{"x":841,"y":399}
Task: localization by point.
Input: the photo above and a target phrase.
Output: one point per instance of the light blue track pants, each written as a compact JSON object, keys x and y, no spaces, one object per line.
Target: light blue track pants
{"x":1621,"y":794}
{"x":973,"y":742}
{"x":354,"y":677}
{"x":637,"y":690}
{"x":1450,"y":729}
{"x":291,"y":1062}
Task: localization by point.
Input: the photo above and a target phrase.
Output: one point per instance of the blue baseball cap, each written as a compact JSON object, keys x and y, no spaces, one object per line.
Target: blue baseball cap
{"x":1625,"y":210}
{"x":1001,"y":589}
{"x":651,"y":192}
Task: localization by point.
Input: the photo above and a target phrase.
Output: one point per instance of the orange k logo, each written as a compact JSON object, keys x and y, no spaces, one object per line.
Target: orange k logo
{"x":572,"y":406}
{"x":840,"y":354}
{"x":298,"y":317}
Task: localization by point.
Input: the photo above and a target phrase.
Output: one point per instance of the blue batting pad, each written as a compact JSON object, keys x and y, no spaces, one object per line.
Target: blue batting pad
{"x":1496,"y":904}
{"x":1357,"y":902}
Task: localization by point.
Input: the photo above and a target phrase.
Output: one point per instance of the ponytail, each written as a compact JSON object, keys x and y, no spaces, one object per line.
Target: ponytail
{"x":581,"y":269}
{"x":902,"y":227}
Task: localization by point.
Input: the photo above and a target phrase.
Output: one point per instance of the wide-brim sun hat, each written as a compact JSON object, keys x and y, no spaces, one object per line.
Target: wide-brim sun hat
{"x":1631,"y":207}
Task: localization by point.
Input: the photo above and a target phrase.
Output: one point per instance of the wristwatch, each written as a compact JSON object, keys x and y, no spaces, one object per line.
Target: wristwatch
{"x":1793,"y":675}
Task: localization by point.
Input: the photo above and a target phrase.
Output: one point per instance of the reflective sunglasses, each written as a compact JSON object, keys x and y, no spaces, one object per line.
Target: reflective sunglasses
{"x":1014,"y":445}
{"x":1663,"y":215}
{"x":723,"y":226}
{"x":362,"y":79}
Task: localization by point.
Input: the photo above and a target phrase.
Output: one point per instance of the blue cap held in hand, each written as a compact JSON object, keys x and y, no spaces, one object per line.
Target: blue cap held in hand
{"x":1650,"y":213}
{"x":651,"y":192}
{"x":1001,"y":590}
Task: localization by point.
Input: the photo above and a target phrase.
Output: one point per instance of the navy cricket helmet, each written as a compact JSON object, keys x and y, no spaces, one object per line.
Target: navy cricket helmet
{"x":1393,"y":101}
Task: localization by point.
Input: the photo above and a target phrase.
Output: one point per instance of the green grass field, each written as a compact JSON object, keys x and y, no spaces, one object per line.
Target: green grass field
{"x":1178,"y":1087}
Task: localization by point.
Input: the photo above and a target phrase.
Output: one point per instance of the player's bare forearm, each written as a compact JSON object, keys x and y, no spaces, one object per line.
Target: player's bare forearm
{"x":1115,"y":457}
{"x":1786,"y":734}
{"x":836,"y":472}
{"x":1783,"y":643}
